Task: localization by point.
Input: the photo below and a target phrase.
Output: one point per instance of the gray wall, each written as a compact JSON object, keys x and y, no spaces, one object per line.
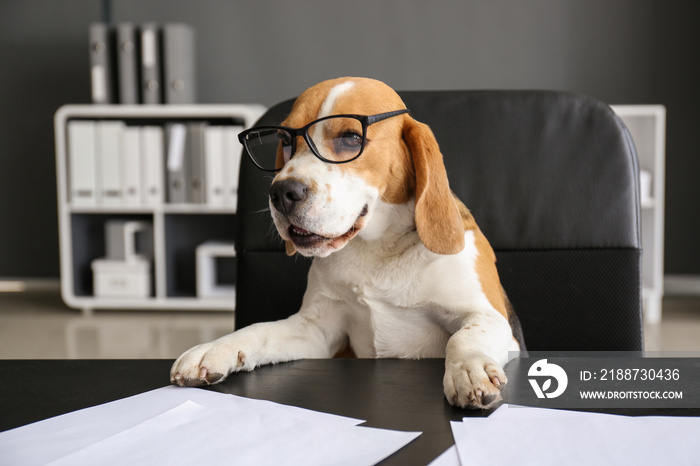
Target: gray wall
{"x":620,"y":51}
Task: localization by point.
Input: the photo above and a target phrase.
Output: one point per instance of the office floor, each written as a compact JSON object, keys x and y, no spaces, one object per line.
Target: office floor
{"x":38,"y":325}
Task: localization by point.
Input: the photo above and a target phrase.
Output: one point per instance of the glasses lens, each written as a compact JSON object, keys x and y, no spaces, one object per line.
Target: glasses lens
{"x":337,"y":139}
{"x":262,"y":145}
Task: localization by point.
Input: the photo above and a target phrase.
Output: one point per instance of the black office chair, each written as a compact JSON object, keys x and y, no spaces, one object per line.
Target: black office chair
{"x":551,"y":179}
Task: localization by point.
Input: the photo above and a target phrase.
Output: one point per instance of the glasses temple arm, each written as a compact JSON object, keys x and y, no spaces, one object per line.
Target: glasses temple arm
{"x":383,"y":116}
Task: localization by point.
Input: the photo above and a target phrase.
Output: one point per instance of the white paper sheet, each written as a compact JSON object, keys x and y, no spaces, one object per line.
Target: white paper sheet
{"x":448,"y":458}
{"x":544,"y":437}
{"x":185,"y":435}
{"x":460,"y":433}
{"x":177,"y":425}
{"x":525,"y":412}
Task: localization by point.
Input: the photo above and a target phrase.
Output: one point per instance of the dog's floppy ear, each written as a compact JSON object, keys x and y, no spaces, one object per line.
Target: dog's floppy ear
{"x":437,"y":215}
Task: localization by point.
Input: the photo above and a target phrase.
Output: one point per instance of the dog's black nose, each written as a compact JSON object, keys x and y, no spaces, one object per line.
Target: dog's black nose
{"x":287,"y":194}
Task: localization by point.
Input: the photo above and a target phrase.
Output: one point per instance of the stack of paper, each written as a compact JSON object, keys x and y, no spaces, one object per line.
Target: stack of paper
{"x":188,"y":426}
{"x":522,"y":435}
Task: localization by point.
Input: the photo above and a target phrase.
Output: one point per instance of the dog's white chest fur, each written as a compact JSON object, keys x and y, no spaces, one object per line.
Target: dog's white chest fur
{"x":397,"y":298}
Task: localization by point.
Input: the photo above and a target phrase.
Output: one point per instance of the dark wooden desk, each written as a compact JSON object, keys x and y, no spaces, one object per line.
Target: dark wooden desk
{"x":392,"y":394}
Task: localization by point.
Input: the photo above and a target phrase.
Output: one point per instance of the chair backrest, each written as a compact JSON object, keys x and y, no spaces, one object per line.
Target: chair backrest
{"x":551,"y":179}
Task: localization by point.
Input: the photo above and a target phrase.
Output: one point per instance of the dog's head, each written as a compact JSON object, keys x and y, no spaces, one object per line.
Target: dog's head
{"x":319,"y":205}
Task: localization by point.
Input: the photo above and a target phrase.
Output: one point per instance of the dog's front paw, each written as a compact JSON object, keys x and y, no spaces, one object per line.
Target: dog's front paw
{"x":474,"y":382}
{"x":206,"y":364}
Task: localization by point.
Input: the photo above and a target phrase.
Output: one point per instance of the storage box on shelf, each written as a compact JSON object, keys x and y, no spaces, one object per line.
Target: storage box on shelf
{"x":171,"y":168}
{"x":647,"y":125}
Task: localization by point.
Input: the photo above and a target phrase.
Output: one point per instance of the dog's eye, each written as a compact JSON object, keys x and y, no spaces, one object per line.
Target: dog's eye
{"x":348,"y":140}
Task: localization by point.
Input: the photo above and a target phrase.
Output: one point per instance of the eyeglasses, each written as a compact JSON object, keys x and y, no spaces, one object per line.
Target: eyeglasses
{"x":333,"y":139}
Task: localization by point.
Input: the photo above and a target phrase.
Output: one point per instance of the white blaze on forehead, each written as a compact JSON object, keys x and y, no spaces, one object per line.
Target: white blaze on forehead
{"x":327,"y":108}
{"x":332,"y":96}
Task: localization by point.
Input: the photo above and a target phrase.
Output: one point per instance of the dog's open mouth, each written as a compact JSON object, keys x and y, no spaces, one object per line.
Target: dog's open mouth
{"x":307,"y":239}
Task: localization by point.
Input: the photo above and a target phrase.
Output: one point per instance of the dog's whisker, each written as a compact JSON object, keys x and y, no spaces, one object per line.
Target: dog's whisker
{"x":272,"y":231}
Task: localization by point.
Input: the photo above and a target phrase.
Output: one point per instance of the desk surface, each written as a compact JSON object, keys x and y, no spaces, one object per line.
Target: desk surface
{"x":388,"y":393}
{"x":392,"y":394}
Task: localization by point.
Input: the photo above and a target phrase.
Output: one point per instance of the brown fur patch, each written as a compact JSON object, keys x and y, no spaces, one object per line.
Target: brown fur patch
{"x":488,"y":274}
{"x":290,"y":248}
{"x":485,"y":264}
{"x":467,"y":217}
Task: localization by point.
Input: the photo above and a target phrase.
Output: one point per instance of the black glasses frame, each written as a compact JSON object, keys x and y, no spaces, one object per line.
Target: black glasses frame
{"x":294,"y":133}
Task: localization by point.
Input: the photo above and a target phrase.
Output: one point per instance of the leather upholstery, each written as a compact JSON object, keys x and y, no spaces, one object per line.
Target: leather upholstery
{"x":551,"y":179}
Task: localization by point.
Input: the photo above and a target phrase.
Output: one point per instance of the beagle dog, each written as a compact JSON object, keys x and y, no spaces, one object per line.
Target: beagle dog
{"x":400,"y":269}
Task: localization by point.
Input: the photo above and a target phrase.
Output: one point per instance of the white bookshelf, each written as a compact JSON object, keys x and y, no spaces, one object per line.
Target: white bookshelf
{"x":647,"y":125}
{"x":177,"y":228}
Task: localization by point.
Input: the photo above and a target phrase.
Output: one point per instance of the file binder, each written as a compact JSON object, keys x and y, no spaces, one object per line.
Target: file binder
{"x":102,"y":66}
{"x":214,"y":164}
{"x":131,"y":159}
{"x":109,"y":153}
{"x":178,"y":166}
{"x":152,"y":164}
{"x":81,"y":163}
{"x":232,"y":164}
{"x":128,"y":63}
{"x":151,"y":63}
{"x":179,"y":64}
{"x":197,"y":189}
